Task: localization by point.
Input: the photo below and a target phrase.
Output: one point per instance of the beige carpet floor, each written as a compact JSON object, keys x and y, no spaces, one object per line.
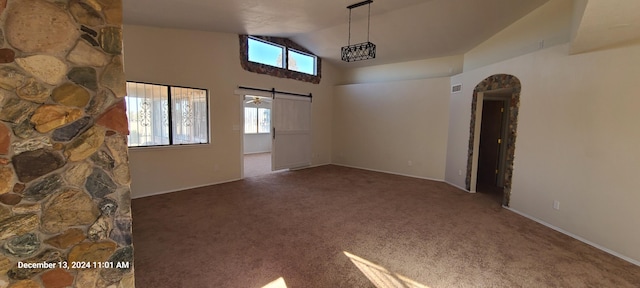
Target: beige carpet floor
{"x":333,"y":226}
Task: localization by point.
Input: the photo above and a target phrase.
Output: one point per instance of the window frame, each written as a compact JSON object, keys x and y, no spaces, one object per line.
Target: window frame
{"x":257,"y":67}
{"x":170,"y":124}
{"x":285,"y":52}
{"x":315,"y":61}
{"x":257,"y":120}
{"x":285,"y":55}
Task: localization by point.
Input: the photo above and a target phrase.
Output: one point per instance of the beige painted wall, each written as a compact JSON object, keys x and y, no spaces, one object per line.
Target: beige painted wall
{"x":577,"y":141}
{"x":547,"y":26}
{"x":208,"y":60}
{"x":576,"y":134}
{"x":410,"y":70}
{"x":383,"y":126}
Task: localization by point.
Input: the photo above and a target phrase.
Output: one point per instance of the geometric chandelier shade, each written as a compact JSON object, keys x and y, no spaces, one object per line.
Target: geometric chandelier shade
{"x":360,"y":51}
{"x":357,"y":52}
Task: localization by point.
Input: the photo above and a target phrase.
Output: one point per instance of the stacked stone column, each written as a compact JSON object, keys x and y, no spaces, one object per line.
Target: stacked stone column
{"x":64,"y":173}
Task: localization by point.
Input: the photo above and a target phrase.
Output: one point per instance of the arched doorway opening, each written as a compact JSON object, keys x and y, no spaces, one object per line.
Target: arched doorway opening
{"x":494,"y":88}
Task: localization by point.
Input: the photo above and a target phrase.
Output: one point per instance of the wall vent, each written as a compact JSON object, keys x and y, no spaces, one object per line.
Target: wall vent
{"x":456,"y":88}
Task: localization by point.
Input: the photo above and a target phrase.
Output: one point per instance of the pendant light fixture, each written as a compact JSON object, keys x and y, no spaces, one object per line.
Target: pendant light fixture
{"x":360,"y":51}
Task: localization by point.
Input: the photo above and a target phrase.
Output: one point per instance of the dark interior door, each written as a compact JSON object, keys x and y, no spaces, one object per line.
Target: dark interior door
{"x":490,"y":133}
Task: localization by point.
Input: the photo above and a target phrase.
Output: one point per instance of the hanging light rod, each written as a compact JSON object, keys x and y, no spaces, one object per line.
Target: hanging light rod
{"x":359,"y":4}
{"x":360,"y":51}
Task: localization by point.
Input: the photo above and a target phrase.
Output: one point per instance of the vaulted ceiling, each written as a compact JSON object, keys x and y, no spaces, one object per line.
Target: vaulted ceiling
{"x":403,"y":30}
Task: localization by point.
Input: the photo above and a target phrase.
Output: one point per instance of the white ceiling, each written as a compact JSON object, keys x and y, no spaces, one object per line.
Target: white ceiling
{"x":403,"y":30}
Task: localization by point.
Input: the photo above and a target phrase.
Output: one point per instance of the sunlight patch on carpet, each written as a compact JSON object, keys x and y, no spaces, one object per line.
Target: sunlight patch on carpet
{"x":380,"y":276}
{"x":278,"y":283}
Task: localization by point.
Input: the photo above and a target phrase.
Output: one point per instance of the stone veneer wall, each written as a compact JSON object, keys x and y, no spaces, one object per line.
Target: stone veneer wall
{"x":498,"y":81}
{"x":64,"y":173}
{"x":275,"y":71}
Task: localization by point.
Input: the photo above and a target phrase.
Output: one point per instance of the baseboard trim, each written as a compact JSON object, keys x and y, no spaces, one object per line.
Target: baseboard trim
{"x":256,"y":152}
{"x":318,"y":165}
{"x":210,"y":184}
{"x":463,"y":189}
{"x":574,"y":236}
{"x":183,"y":188}
{"x":388,"y":172}
{"x":321,"y":164}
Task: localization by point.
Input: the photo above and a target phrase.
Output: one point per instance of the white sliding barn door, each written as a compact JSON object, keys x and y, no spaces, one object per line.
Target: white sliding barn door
{"x":291,"y":128}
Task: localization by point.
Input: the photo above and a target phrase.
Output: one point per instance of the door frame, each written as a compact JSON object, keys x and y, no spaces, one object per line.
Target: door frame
{"x":241,"y":93}
{"x":504,"y":82}
{"x":242,"y":97}
{"x":497,"y":96}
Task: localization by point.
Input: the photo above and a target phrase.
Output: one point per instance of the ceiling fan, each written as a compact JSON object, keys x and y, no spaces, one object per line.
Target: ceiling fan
{"x":255,"y":100}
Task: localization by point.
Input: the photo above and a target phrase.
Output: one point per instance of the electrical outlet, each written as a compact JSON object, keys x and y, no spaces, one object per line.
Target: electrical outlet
{"x":460,"y":172}
{"x":556,"y":204}
{"x":410,"y":163}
